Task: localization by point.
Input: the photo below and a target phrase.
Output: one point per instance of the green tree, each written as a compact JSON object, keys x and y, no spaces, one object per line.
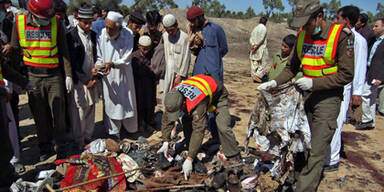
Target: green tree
{"x":249,"y":13}
{"x":216,"y":9}
{"x":146,"y":5}
{"x":293,"y":3}
{"x":72,"y":4}
{"x":110,"y":4}
{"x":332,"y":8}
{"x":203,"y":4}
{"x":271,"y":5}
{"x":380,"y":10}
{"x":125,"y":10}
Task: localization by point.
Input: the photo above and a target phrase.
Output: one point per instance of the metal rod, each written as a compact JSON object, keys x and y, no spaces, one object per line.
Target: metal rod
{"x":94,"y":180}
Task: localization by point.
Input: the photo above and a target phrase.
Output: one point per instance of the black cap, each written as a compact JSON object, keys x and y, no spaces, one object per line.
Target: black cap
{"x":137,"y":17}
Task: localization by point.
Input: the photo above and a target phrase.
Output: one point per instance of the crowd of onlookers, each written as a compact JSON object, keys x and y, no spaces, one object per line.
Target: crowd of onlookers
{"x":102,"y":56}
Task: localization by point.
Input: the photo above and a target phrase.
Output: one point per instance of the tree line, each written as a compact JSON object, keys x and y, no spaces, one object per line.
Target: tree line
{"x":273,"y":9}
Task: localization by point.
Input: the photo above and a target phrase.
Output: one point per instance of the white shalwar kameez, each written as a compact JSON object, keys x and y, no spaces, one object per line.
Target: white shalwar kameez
{"x":177,"y":59}
{"x":259,"y":58}
{"x":118,"y":86}
{"x":356,"y":87}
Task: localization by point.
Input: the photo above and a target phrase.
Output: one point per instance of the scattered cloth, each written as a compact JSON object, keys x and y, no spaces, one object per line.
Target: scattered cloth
{"x":129,"y":164}
{"x":96,"y":166}
{"x":95,"y":147}
{"x":280,"y":128}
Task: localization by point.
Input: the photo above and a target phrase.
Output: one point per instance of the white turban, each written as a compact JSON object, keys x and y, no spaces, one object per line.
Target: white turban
{"x":115,"y":17}
{"x":145,"y":41}
{"x":169,"y":20}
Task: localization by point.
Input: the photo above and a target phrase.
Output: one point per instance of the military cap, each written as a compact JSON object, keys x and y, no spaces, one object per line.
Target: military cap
{"x":172,"y":103}
{"x":303,"y":11}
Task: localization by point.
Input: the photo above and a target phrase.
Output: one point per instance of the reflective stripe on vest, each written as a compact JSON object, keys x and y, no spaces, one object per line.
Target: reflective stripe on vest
{"x":318,"y":57}
{"x":39,"y":44}
{"x":2,"y":83}
{"x":206,"y":87}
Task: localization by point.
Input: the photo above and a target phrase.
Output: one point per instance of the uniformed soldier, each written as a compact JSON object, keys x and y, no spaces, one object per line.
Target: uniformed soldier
{"x":196,"y":96}
{"x":40,"y":36}
{"x":324,"y":53}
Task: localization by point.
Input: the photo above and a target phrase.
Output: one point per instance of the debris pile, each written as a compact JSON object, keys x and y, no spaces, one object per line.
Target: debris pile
{"x":135,"y":166}
{"x":280,"y":130}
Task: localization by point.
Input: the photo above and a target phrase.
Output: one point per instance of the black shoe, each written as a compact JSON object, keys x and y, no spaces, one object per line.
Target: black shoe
{"x":200,"y":168}
{"x":162,"y":162}
{"x":365,"y":126}
{"x":331,"y":168}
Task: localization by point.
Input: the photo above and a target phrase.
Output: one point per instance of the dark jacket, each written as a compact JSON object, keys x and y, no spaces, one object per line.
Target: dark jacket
{"x":375,"y":71}
{"x":368,"y":34}
{"x":77,"y":54}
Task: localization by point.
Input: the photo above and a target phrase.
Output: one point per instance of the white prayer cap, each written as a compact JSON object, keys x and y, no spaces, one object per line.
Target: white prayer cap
{"x":145,"y":41}
{"x":169,"y":20}
{"x":115,"y":17}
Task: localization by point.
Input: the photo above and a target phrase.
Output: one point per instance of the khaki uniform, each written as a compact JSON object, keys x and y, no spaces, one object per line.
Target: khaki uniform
{"x":47,"y":103}
{"x":194,"y":124}
{"x":322,"y":106}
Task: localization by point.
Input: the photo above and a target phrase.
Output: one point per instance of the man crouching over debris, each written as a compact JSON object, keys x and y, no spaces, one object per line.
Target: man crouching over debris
{"x":196,"y":96}
{"x":325,"y":53}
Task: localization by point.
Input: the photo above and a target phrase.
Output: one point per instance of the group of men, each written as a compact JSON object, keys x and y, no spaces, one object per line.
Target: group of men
{"x":68,"y":69}
{"x":341,"y":69}
{"x":68,"y":66}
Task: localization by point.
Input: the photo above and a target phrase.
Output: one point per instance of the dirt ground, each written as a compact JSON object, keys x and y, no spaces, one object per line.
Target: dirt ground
{"x":361,"y":170}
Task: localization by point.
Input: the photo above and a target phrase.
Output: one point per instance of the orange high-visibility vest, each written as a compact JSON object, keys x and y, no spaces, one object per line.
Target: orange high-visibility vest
{"x":318,"y":57}
{"x":39,"y":44}
{"x":197,"y":88}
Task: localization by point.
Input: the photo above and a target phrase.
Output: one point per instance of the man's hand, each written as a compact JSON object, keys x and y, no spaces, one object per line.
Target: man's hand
{"x":6,"y":49}
{"x":187,"y":167}
{"x":356,"y":100}
{"x":376,"y":82}
{"x":164,"y":148}
{"x":94,"y":70}
{"x":304,"y":83}
{"x":108,"y":67}
{"x":267,"y":85}
{"x":91,"y":83}
{"x":197,"y":40}
{"x":177,"y":80}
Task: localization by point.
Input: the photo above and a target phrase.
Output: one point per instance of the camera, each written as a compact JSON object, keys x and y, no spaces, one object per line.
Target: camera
{"x":100,"y":72}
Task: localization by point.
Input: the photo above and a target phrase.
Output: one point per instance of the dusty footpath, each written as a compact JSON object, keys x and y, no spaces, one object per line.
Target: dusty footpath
{"x":361,"y":170}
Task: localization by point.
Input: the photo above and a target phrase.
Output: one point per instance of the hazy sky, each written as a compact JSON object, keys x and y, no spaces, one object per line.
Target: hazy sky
{"x":257,"y":5}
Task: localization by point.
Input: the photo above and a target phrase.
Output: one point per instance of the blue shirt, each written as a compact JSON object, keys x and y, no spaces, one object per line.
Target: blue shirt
{"x":98,"y":25}
{"x":209,"y":59}
{"x":374,"y":47}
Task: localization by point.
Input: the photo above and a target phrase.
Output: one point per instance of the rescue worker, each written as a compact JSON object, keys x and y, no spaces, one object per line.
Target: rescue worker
{"x":40,"y":36}
{"x":196,"y":96}
{"x":325,"y":54}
